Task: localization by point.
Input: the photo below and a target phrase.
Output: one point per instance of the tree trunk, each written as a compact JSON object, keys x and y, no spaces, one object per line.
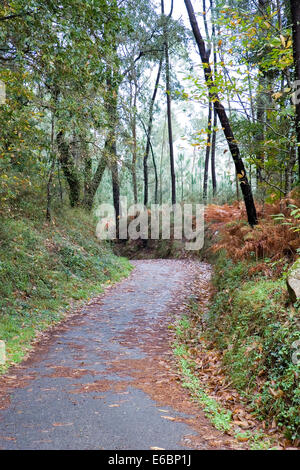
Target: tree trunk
{"x":53,"y":156}
{"x":261,"y":107}
{"x":214,"y":132}
{"x":93,"y":185}
{"x":134,"y":145}
{"x":161,"y":162}
{"x":234,"y":149}
{"x":207,"y":153}
{"x":213,"y":154}
{"x":155,"y":176}
{"x":69,"y":169}
{"x":115,"y":187}
{"x":168,"y":92}
{"x":87,"y":179}
{"x":49,"y":185}
{"x":148,"y":136}
{"x":112,"y":91}
{"x":295,"y":11}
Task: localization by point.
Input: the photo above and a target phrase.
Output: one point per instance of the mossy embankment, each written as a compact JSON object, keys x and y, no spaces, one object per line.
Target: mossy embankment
{"x":251,"y":327}
{"x":253,"y":323}
{"x":47,"y":268}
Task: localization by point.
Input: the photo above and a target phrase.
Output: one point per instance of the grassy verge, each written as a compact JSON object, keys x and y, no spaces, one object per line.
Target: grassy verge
{"x":254,"y":326}
{"x":44,"y":270}
{"x":220,"y":416}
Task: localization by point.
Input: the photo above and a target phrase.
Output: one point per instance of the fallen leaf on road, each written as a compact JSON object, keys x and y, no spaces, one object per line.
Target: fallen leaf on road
{"x":62,"y":424}
{"x":170,"y":418}
{"x":42,"y":441}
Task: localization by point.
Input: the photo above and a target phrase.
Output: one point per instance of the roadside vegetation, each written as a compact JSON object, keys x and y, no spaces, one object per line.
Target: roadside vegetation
{"x":46,"y":270}
{"x":220,"y":414}
{"x":102,"y":100}
{"x":252,"y":322}
{"x":249,"y":331}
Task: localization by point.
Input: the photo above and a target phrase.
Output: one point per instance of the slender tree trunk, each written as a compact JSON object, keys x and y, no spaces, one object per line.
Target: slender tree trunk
{"x":155,"y":176}
{"x":215,"y":121}
{"x":260,"y":117}
{"x":69,"y":169}
{"x":206,"y":25}
{"x":295,"y":11}
{"x":148,"y":136}
{"x":161,"y":162}
{"x":85,"y":157}
{"x":134,"y":156}
{"x":234,"y":149}
{"x":111,"y":141}
{"x":134,"y":146}
{"x":55,"y":95}
{"x":59,"y":182}
{"x":91,"y":188}
{"x":261,"y":108}
{"x":115,"y":187}
{"x":168,"y":92}
{"x":91,"y":181}
{"x":213,"y":154}
{"x":278,"y":7}
{"x":112,"y":151}
{"x":250,"y":95}
{"x":207,"y":153}
{"x":49,"y":184}
{"x":87,"y":178}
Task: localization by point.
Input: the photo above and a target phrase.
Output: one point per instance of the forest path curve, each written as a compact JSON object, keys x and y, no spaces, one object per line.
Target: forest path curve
{"x":105,"y":378}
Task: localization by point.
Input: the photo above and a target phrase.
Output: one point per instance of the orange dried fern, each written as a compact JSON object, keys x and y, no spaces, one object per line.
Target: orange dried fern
{"x":271,"y":238}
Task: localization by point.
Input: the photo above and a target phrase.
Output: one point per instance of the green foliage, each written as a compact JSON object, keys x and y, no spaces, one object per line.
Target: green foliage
{"x":293,"y":221}
{"x":251,"y":322}
{"x":218,"y":416}
{"x":46,"y":269}
{"x":253,"y":48}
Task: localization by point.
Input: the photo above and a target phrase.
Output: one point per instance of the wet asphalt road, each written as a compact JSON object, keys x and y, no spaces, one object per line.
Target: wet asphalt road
{"x":66,"y":402}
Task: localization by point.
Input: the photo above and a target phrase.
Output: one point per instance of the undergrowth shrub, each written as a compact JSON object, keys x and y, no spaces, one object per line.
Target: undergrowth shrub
{"x":253,"y":324}
{"x":274,"y":237}
{"x":44,"y":268}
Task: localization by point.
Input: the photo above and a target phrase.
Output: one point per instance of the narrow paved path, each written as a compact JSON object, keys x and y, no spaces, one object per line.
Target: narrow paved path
{"x":105,"y":379}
